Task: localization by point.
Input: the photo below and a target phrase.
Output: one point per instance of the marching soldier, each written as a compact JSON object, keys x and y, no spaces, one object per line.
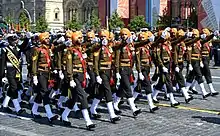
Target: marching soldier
{"x":178,"y":53}
{"x":10,"y":61}
{"x":41,"y":64}
{"x":195,"y":61}
{"x":205,"y":52}
{"x":91,"y":41}
{"x":102,"y":69}
{"x":62,"y":62}
{"x":143,"y":65}
{"x":124,"y":64}
{"x":76,"y":72}
{"x":164,"y":60}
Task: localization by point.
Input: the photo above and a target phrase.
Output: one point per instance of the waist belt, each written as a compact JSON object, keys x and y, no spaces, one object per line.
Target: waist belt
{"x":80,"y":70}
{"x":145,"y":60}
{"x":43,"y":68}
{"x":105,"y":68}
{"x":166,"y":59}
{"x":90,"y":63}
{"x":108,"y":66}
{"x":205,"y":52}
{"x":125,"y":64}
{"x":205,"y":55}
{"x":195,"y":55}
{"x":195,"y":58}
{"x":180,"y":59}
{"x":78,"y":66}
{"x":125,"y":60}
{"x":106,"y":63}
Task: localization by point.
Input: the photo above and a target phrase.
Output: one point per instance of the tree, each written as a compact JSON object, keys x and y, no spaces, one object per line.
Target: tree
{"x":74,"y":23}
{"x":115,"y":21}
{"x":95,"y":21}
{"x":164,"y":20}
{"x":41,"y":24}
{"x":9,"y":19}
{"x":23,"y":20}
{"x":137,"y":23}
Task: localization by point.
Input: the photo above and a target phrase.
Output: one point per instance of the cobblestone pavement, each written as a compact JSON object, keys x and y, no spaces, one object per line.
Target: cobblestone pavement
{"x":199,"y":118}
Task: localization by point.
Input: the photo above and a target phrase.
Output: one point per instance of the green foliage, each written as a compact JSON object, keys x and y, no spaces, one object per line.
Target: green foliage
{"x":165,"y":20}
{"x":115,"y":21}
{"x":74,"y":23}
{"x":23,"y":20}
{"x":95,"y":21}
{"x":9,"y":19}
{"x":137,"y":23}
{"x":41,"y":24}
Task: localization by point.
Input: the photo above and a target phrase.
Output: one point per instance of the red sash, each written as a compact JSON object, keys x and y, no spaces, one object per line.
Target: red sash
{"x":44,"y":51}
{"x":207,"y":46}
{"x":147,"y":52}
{"x":112,"y":82}
{"x":83,"y":65}
{"x":167,"y":49}
{"x":198,"y":45}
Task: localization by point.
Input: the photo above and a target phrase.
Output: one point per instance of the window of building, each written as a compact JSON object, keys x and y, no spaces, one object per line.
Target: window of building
{"x":56,"y":14}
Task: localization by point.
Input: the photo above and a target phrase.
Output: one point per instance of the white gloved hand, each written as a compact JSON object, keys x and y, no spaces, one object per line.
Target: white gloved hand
{"x":55,"y":72}
{"x":29,"y":35}
{"x":72,"y":84}
{"x":61,"y":40}
{"x":117,"y":84}
{"x":177,"y":69}
{"x":167,"y":29}
{"x":5,"y":80}
{"x":35,"y":80}
{"x":216,"y":33}
{"x":165,"y":70}
{"x":87,"y":75}
{"x":105,"y":42}
{"x":61,"y":75}
{"x":84,"y":55}
{"x":95,"y":40}
{"x":99,"y":80}
{"x":152,"y":38}
{"x":141,"y":76}
{"x":203,"y":36}
{"x":189,"y":34}
{"x":129,"y":40}
{"x":68,"y":43}
{"x":201,"y":64}
{"x":190,"y":67}
{"x":164,"y":34}
{"x":118,"y":76}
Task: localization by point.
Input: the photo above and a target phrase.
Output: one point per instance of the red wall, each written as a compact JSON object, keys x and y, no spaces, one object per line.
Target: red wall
{"x":102,"y":11}
{"x":141,"y":6}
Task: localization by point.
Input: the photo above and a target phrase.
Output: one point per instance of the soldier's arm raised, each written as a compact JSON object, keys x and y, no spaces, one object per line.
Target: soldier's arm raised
{"x":140,"y":44}
{"x":207,"y":39}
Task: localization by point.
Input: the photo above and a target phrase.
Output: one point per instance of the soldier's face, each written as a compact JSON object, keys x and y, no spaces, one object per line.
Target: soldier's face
{"x":90,"y":38}
{"x":102,"y":37}
{"x":80,"y":40}
{"x":124,"y":36}
{"x":47,"y":41}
